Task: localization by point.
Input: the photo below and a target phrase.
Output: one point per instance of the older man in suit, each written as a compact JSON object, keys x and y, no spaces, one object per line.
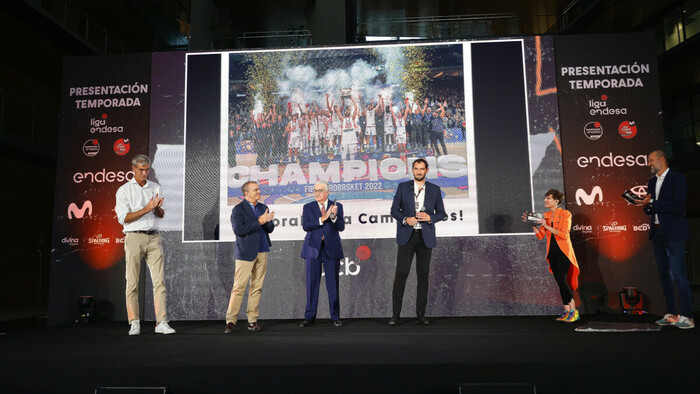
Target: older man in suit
{"x":322,"y":220}
{"x":665,"y":204}
{"x":252,"y":224}
{"x":417,"y":206}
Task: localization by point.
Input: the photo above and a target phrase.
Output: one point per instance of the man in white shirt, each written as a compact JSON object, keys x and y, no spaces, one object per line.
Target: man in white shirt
{"x":668,"y":229}
{"x":139,"y":204}
{"x":417,"y":207}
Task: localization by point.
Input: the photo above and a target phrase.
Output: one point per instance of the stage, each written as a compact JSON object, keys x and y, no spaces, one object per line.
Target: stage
{"x":364,"y":356}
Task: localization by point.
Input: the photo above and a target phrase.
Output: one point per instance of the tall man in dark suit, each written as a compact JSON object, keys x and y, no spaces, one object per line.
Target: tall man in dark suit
{"x":665,"y":204}
{"x":323,"y":221}
{"x":417,"y":207}
{"x":252,"y":224}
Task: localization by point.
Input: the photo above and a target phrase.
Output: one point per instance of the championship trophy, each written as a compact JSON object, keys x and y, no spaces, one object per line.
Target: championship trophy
{"x":535,"y":218}
{"x":345,"y":92}
{"x":631,"y":197}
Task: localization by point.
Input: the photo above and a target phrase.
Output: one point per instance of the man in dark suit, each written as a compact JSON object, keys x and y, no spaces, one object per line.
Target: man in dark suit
{"x":323,"y":221}
{"x":417,"y":207}
{"x":252,"y":224}
{"x":665,"y":204}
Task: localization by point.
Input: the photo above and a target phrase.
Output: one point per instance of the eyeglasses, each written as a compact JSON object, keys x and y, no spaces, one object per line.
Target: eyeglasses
{"x":319,"y":191}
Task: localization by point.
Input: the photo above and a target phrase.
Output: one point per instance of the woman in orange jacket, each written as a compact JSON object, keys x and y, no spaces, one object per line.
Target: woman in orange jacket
{"x":560,"y":254}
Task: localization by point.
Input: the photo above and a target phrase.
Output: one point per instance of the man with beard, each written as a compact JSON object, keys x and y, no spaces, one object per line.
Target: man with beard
{"x":668,"y":230}
{"x":417,"y":206}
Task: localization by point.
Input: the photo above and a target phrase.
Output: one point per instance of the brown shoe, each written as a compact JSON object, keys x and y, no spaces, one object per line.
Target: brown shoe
{"x":229,"y":328}
{"x":254,"y":326}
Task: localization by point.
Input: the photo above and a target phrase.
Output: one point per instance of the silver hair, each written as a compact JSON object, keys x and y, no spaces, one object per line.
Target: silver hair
{"x":244,"y":188}
{"x":140,"y":159}
{"x":659,"y":154}
{"x":325,"y":184}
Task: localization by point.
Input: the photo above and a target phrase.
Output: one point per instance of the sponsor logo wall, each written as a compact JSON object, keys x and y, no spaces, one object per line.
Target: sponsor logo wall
{"x":105,"y":104}
{"x":610,"y":90}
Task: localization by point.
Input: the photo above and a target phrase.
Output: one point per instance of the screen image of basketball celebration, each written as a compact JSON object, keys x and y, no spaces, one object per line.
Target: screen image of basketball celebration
{"x":355,"y":117}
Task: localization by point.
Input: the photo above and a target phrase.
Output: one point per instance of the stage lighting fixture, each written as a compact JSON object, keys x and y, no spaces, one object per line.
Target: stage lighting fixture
{"x":632,"y":301}
{"x":86,"y":308}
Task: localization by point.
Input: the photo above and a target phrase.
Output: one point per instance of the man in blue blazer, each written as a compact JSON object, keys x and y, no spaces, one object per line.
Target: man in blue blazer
{"x":323,"y":221}
{"x":665,"y":204}
{"x":417,"y":207}
{"x":252,"y":224}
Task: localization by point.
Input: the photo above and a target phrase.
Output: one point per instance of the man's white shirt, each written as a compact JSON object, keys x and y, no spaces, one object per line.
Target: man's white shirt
{"x":131,"y":197}
{"x":659,"y":181}
{"x":320,"y":207}
{"x":420,"y":199}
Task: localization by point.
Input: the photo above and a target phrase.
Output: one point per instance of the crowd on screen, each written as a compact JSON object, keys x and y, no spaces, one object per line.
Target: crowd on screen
{"x":346,"y":125}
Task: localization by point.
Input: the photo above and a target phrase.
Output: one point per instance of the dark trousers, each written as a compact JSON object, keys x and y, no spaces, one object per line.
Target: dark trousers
{"x":380,"y":136}
{"x":669,"y":261}
{"x":404,"y":258}
{"x":422,"y":136}
{"x":560,"y":264}
{"x":435,"y":138}
{"x":313,"y":280}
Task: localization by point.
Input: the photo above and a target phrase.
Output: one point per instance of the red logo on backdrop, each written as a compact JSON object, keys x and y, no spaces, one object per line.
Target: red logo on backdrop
{"x":121,"y":146}
{"x":104,"y":116}
{"x":363,"y":252}
{"x":104,"y":244}
{"x":627,"y":129}
{"x":91,"y":147}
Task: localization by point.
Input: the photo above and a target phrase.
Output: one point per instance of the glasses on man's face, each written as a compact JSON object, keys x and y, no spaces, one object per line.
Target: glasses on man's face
{"x":319,"y":191}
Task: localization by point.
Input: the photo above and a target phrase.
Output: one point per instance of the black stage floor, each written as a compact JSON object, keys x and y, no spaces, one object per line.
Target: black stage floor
{"x":365,"y":356}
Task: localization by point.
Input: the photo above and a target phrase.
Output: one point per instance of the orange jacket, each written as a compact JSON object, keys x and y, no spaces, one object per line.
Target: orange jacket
{"x":562,"y":223}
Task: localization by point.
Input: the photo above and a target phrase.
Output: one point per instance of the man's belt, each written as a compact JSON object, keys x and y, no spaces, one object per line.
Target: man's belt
{"x":149,"y":232}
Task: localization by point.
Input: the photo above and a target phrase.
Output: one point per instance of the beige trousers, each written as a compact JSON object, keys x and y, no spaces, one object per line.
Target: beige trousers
{"x":137,"y":246}
{"x":247,"y":271}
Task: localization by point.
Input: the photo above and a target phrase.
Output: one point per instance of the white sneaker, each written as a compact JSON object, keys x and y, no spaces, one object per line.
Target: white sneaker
{"x":164,"y":328}
{"x":667,"y":320}
{"x":135,"y":328}
{"x":685,"y":323}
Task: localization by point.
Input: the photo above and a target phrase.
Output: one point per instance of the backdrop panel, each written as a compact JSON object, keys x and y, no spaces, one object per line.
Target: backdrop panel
{"x":611,"y":120}
{"x":218,"y":119}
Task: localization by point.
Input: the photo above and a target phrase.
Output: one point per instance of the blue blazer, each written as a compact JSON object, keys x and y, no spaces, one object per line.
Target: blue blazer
{"x":329,"y":231}
{"x":404,"y":207}
{"x":670,"y":206}
{"x":247,"y":229}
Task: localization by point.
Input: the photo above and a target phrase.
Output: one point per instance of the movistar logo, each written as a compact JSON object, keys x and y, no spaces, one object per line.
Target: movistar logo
{"x":73,"y":210}
{"x":585,"y":198}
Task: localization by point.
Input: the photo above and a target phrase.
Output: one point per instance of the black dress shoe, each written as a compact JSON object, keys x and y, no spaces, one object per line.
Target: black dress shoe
{"x":254,"y":326}
{"x":423,"y":320}
{"x":394,"y":321}
{"x":229,"y":328}
{"x":306,"y":323}
{"x":337,"y":323}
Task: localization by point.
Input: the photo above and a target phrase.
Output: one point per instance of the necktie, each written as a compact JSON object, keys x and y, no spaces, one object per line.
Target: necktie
{"x":323,"y":212}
